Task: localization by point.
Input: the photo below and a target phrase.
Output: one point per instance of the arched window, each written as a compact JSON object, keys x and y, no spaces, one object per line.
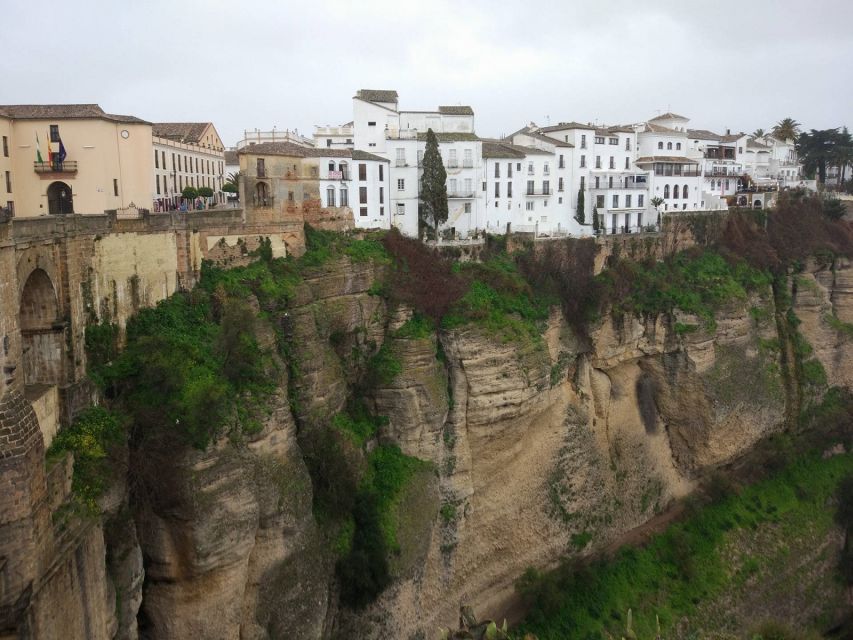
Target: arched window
{"x":669,"y":146}
{"x":344,"y":197}
{"x":331,"y":165}
{"x":342,"y":167}
{"x":675,"y":191}
{"x":678,"y":146}
{"x":660,"y":145}
{"x":261,"y":194}
{"x":684,"y":192}
{"x":666,"y":191}
{"x":330,"y":197}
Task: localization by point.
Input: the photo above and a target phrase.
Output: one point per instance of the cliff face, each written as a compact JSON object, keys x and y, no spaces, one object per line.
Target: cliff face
{"x":557,"y":446}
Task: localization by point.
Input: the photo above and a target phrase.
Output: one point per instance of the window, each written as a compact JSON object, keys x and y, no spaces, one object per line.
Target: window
{"x":628,"y":201}
{"x":401,"y":157}
{"x":497,"y":170}
{"x":546,"y":170}
{"x":509,"y":189}
{"x":451,"y":160}
{"x":668,"y":146}
{"x":518,"y":166}
{"x":163,"y":158}
{"x":330,"y":197}
{"x":678,"y":146}
{"x":615,"y":201}
{"x":381,"y":172}
{"x":530,"y":169}
{"x":612,"y":162}
{"x":666,"y":191}
{"x":530,"y":187}
{"x":597,"y":182}
{"x":598,"y":162}
{"x":362,"y":211}
{"x":158,"y":184}
{"x":381,"y":211}
{"x":583,"y":141}
{"x":660,"y":145}
{"x":5,"y":146}
{"x":627,"y":144}
{"x":583,"y":182}
{"x":261,"y":167}
{"x":599,"y":201}
{"x":331,"y":166}
{"x":546,"y":187}
{"x":115,"y":186}
{"x":740,"y":149}
{"x":562,"y":164}
{"x":497,"y":189}
{"x":452,"y":186}
{"x":381,"y":195}
{"x":528,"y":206}
{"x":684,"y":192}
{"x":362,"y":172}
{"x":727,"y":185}
{"x":467,"y":207}
{"x":583,"y":161}
{"x":401,"y":209}
{"x":344,"y":197}
{"x":10,"y":206}
{"x":559,"y":201}
{"x":599,"y":139}
{"x":156,"y":155}
{"x":468,"y":158}
{"x":509,"y":169}
{"x":371,"y":124}
{"x":675,"y":191}
{"x":401,"y":184}
{"x":54,"y":133}
{"x":559,"y":184}
{"x":627,"y":163}
{"x":362,"y":195}
{"x":640,"y":199}
{"x":484,"y":185}
{"x":614,"y":141}
{"x":609,"y":182}
{"x":496,"y":204}
{"x":328,"y":142}
{"x":8,"y":182}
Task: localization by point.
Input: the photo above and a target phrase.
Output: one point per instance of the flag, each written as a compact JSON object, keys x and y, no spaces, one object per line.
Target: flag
{"x":49,"y":150}
{"x":62,"y":154}
{"x":38,"y":150}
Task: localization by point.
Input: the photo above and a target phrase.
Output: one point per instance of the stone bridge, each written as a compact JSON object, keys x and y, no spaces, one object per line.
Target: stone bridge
{"x":58,"y":274}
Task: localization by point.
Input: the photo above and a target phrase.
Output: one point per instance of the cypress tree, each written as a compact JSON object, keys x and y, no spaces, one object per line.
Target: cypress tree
{"x":580,"y":216}
{"x":433,"y":195}
{"x":595,"y":225}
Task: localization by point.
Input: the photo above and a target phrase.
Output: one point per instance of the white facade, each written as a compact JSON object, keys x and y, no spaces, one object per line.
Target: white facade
{"x":191,"y":156}
{"x":334,"y":137}
{"x":256,"y":136}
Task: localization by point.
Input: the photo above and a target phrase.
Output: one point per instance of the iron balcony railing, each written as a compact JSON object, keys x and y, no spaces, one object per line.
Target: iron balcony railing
{"x":68,"y":166}
{"x":538,"y":192}
{"x":460,"y":194}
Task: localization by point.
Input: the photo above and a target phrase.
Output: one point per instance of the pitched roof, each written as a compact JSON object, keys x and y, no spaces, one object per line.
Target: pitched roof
{"x":732,"y":137}
{"x":669,"y":115}
{"x":231,"y":157}
{"x":363,"y":155}
{"x":450,"y":136}
{"x":456,"y":111}
{"x":565,"y":125}
{"x":657,"y":128}
{"x":676,"y":159}
{"x":752,"y":144}
{"x":377,"y":95}
{"x":703,"y":134}
{"x":527,"y":131}
{"x":292,"y":150}
{"x":64,"y":112}
{"x":501,"y":150}
{"x":188,"y":132}
{"x":615,"y":129}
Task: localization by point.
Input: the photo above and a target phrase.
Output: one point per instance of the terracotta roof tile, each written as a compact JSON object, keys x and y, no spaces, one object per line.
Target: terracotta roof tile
{"x":292,"y":150}
{"x":377,"y":95}
{"x":456,"y":111}
{"x":63,"y":112}
{"x":668,"y":116}
{"x":188,"y":132}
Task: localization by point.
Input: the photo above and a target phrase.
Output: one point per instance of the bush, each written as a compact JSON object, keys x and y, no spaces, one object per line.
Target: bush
{"x":205,"y":192}
{"x":384,"y":367}
{"x":363,"y":572}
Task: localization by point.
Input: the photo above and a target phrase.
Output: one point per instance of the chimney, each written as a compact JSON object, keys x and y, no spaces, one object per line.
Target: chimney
{"x":728,"y":132}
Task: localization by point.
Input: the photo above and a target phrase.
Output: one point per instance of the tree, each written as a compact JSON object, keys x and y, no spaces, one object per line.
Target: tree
{"x":580,"y":216}
{"x":230,"y":187}
{"x":842,"y":155}
{"x":817,"y":149}
{"x":833,"y":208}
{"x":190,"y":193}
{"x":596,"y":225}
{"x":786,"y":129}
{"x":758,"y":133}
{"x":205,"y":192}
{"x":433,"y":195}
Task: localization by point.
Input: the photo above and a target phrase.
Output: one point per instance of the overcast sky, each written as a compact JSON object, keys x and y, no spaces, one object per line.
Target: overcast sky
{"x":244,"y":64}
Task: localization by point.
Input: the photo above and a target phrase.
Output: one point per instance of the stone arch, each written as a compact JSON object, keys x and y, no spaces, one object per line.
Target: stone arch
{"x":42,"y":331}
{"x":59,"y":199}
{"x":756,"y":204}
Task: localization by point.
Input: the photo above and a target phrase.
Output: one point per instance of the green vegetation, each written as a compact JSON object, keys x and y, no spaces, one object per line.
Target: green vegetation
{"x":358,"y":423}
{"x":683,"y":566}
{"x":383,"y":367}
{"x":92,"y":436}
{"x":695,"y":282}
{"x":418,"y":327}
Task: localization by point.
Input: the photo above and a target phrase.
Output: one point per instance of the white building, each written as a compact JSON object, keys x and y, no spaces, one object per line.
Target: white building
{"x":186,"y":154}
{"x":334,"y":137}
{"x":256,"y":136}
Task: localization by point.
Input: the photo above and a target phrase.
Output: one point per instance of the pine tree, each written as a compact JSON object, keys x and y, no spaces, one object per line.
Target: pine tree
{"x":596,"y":227}
{"x":433,"y":196}
{"x":580,"y":216}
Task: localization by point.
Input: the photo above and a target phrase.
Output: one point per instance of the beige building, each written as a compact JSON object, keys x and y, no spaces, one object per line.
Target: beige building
{"x":186,"y":154}
{"x":107,"y":161}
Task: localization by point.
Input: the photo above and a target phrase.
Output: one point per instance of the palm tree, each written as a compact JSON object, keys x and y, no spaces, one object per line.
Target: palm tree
{"x":842,"y":155}
{"x":786,"y":129}
{"x":758,"y":133}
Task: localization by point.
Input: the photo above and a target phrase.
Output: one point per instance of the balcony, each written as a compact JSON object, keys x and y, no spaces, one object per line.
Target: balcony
{"x":467,"y":164}
{"x":722,"y":171}
{"x":452,"y":164}
{"x":400,"y":163}
{"x":465,"y":195}
{"x":538,"y":192}
{"x":68,"y":166}
{"x":343,"y":176}
{"x":261,"y":202}
{"x":685,"y":173}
